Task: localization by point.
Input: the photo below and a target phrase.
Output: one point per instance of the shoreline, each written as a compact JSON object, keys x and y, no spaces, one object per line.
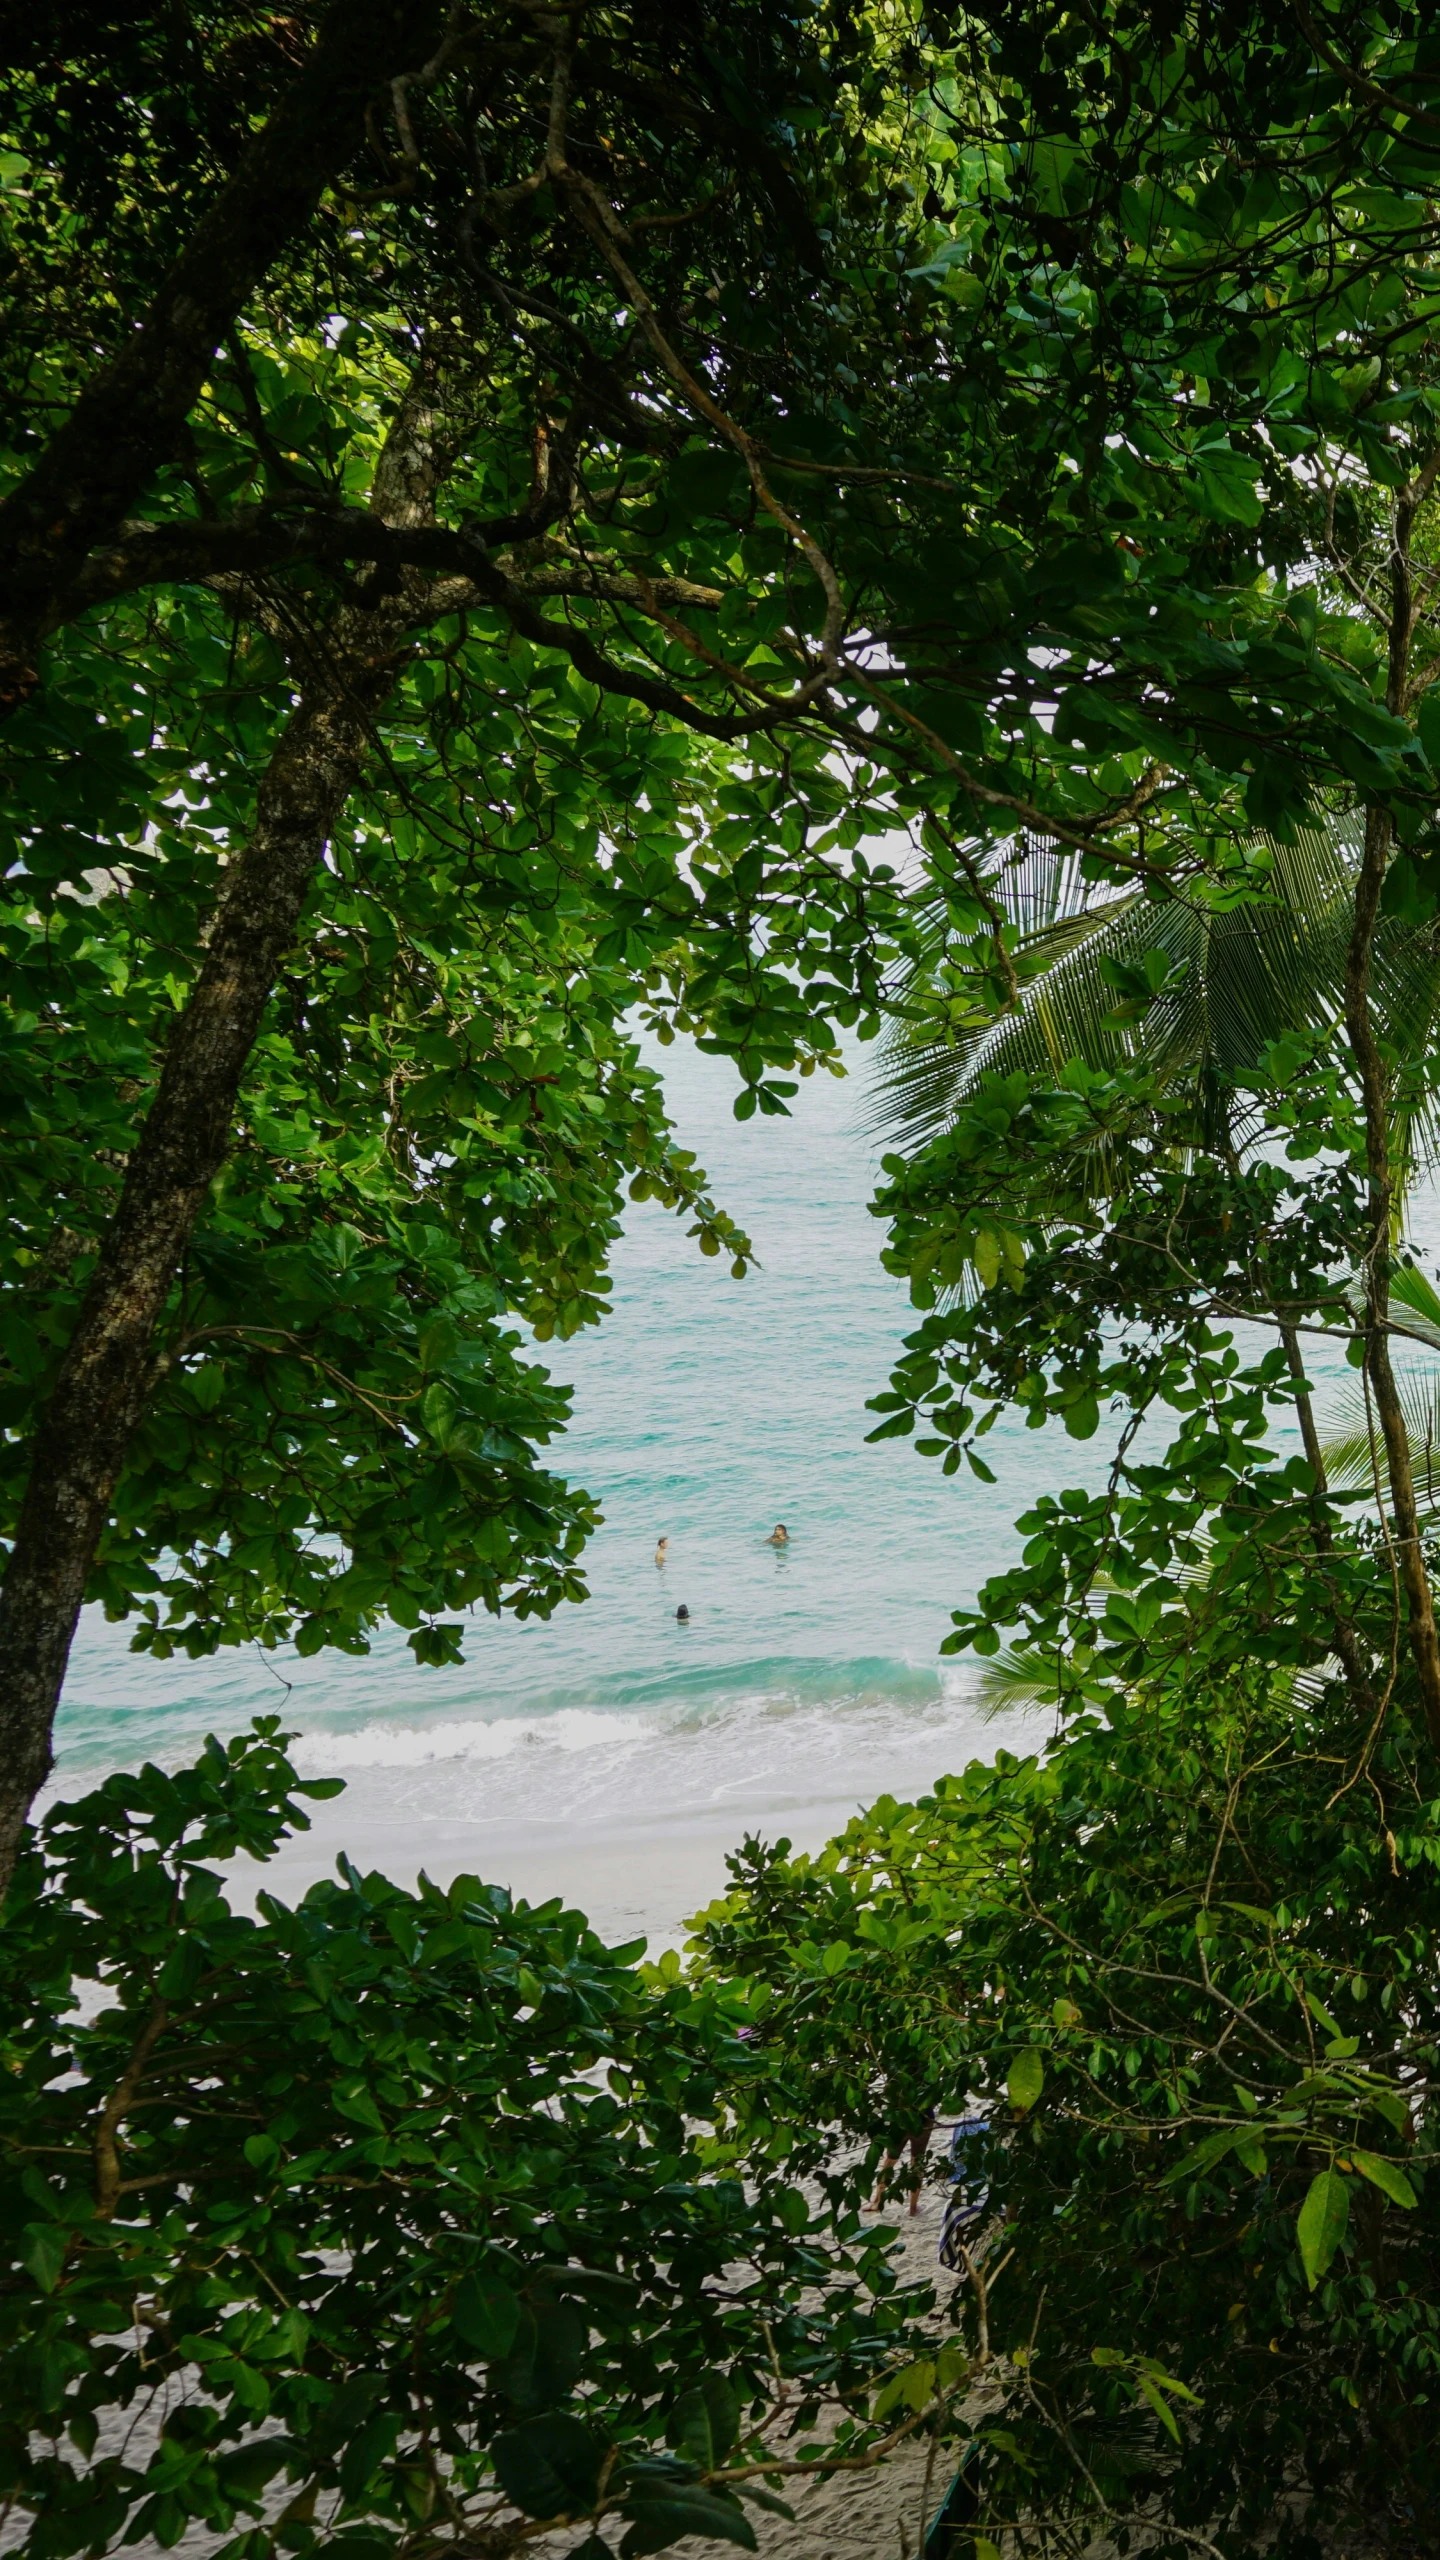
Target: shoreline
{"x":638,"y":1879}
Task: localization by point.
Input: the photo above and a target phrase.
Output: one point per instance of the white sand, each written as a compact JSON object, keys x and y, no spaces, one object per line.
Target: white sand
{"x":639,"y":1878}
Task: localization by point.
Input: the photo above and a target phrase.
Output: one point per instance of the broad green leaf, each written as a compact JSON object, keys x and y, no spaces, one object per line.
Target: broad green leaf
{"x":1321,"y":2224}
{"x":486,"y":2313}
{"x":657,"y":2521}
{"x":42,"y":2250}
{"x":705,"y":2422}
{"x":550,"y":2466}
{"x":986,"y":1252}
{"x":1026,"y":2077}
{"x":1385,"y":2174}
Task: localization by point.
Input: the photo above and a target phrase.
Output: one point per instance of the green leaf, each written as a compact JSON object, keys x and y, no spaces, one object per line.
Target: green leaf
{"x":1385,"y":2174}
{"x":42,"y":2250}
{"x":357,"y":2103}
{"x":1168,"y":2381}
{"x":1321,"y":2223}
{"x":1224,"y":487}
{"x":550,"y":2466}
{"x":486,"y":2313}
{"x":986,"y":1255}
{"x":1319,"y":2011}
{"x":365,"y":2453}
{"x":755,"y":2496}
{"x":1207,"y":2153}
{"x":1389,"y":2104}
{"x":1025,"y":2078}
{"x":704,"y":2422}
{"x":544,"y":2363}
{"x":659,"y":2520}
{"x":1162,"y":2409}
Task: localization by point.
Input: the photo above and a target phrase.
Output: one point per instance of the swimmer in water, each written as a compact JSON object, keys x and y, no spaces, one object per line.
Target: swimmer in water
{"x":779,"y":1535}
{"x":660,"y":1555}
{"x":683,"y":1615}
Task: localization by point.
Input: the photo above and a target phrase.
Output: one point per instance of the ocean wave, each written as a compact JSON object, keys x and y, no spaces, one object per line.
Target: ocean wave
{"x":399,"y":1746}
{"x":756,"y":1757}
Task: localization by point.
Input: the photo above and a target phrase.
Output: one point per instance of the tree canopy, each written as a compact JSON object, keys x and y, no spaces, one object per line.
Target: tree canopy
{"x":493,"y":589}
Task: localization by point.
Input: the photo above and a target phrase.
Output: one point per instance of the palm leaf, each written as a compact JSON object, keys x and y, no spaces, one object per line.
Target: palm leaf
{"x":1021,"y":1676}
{"x":1244,"y":974}
{"x":1354,"y":1451}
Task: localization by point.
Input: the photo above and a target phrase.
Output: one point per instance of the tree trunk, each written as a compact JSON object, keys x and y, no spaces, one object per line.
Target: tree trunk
{"x":105,"y":1378}
{"x":1348,"y":1648}
{"x":1409,"y":1555}
{"x":123,"y":425}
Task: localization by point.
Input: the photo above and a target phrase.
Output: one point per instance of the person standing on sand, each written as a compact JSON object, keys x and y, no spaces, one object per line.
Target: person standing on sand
{"x":779,"y":1535}
{"x":660,"y":1555}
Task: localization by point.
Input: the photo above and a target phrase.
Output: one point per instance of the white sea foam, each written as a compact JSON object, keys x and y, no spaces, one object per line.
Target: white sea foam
{"x":399,"y":1746}
{"x":754,"y":1758}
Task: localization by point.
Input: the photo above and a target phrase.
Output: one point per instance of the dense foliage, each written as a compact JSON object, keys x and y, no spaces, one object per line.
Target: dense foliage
{"x":392,"y":2220}
{"x":444,"y":1106}
{"x":1186,"y":1957}
{"x":659,"y":454}
{"x":1197,"y":1997}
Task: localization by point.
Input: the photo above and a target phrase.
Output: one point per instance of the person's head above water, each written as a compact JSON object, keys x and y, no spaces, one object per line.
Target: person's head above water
{"x":683,"y":1614}
{"x":779,"y":1535}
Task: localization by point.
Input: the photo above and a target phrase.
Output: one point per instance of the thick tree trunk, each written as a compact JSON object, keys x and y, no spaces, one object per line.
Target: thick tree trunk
{"x":105,"y":1378}
{"x":1409,"y":1555}
{"x":123,"y":425}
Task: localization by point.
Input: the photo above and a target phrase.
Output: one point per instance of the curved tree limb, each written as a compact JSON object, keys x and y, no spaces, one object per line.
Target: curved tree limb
{"x":107,"y":1373}
{"x":124,"y":423}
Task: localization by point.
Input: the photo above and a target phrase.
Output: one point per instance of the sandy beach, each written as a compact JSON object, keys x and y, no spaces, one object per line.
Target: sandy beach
{"x":643,"y":1878}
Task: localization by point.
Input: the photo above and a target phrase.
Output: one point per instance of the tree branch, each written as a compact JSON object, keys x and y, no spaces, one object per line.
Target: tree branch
{"x":124,"y":423}
{"x":100,"y":1393}
{"x":256,"y":540}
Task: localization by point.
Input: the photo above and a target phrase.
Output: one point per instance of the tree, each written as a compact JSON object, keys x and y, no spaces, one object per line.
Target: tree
{"x":1132,"y":499}
{"x":445,"y":404}
{"x":392,"y":2220}
{"x":1138,"y":254}
{"x":1198,"y":992}
{"x":1152,"y":1952}
{"x":756,"y":460}
{"x":1197,"y":2010}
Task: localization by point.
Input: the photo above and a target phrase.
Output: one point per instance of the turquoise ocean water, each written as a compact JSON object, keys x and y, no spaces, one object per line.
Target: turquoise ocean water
{"x":706,"y":1409}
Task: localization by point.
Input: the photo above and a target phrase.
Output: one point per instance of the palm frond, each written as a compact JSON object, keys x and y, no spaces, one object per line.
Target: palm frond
{"x":1238,"y":977}
{"x":1354,"y":1451}
{"x":1414,"y":1303}
{"x":1018,"y":1677}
